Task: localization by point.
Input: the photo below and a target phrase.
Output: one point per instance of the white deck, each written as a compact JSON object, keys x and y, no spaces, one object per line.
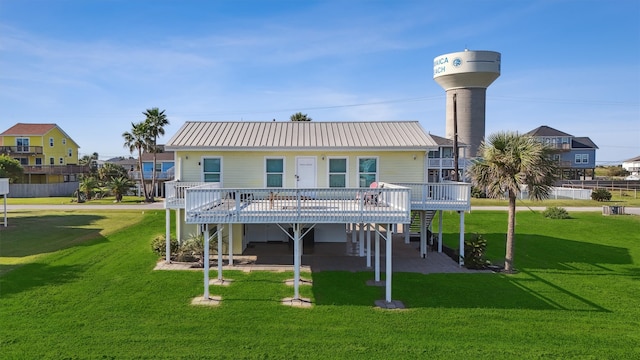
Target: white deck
{"x":207,"y":203}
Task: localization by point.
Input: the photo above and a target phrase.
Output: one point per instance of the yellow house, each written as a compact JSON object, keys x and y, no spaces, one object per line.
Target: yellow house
{"x":45,"y":151}
{"x":304,"y":183}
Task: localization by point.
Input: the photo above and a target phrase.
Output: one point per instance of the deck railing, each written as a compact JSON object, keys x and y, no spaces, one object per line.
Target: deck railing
{"x":448,"y":195}
{"x":344,"y":205}
{"x":175,"y":192}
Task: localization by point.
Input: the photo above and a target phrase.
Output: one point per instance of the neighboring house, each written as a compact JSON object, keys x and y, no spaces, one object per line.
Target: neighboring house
{"x":441,"y":165}
{"x":164,"y":168}
{"x":129,"y":164}
{"x":576,"y":156}
{"x":633,"y":166}
{"x":281,"y":181}
{"x":47,"y":154}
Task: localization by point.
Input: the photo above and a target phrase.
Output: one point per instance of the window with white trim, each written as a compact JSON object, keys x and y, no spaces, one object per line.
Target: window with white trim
{"x":212,"y":169}
{"x":51,"y":141}
{"x":52,"y":161}
{"x":274,"y":172}
{"x":337,"y":172}
{"x":70,"y":152}
{"x":367,"y":171}
{"x":22,"y":144}
{"x":64,"y":141}
{"x":61,"y":161}
{"x":582,"y":159}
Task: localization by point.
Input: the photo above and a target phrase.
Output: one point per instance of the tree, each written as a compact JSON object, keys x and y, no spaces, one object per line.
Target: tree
{"x":300,"y":117}
{"x":155,"y":120}
{"x":138,"y":140}
{"x":110,"y":171}
{"x":508,"y":162}
{"x":10,"y":168}
{"x":88,"y":186}
{"x":120,"y":186}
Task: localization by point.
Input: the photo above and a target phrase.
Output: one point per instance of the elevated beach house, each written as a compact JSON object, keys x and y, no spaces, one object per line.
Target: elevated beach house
{"x":307,"y":182}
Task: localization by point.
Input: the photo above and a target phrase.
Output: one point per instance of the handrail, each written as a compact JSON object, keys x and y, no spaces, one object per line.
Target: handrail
{"x":312,"y":205}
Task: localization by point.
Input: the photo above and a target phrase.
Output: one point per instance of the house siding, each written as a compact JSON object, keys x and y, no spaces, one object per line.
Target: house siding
{"x":246,"y":169}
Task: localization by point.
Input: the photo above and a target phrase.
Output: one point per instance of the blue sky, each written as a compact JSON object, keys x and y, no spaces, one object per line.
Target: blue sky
{"x":93,"y":67}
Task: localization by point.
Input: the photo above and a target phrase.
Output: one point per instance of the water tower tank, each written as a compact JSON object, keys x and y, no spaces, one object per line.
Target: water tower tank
{"x":467,"y":74}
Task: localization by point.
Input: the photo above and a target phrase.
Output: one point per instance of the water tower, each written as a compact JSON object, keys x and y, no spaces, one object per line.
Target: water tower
{"x":465,"y":76}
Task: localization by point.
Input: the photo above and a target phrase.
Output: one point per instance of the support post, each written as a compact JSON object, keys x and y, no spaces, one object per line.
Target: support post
{"x":368,"y":229}
{"x":361,"y":240}
{"x":167,"y":235}
{"x":406,"y":230}
{"x":423,"y":234}
{"x":219,"y":252}
{"x":377,"y":259}
{"x":440,"y":231}
{"x":296,"y":261}
{"x":5,"y":209}
{"x":389,"y":256}
{"x":230,"y":244}
{"x":206,"y":261}
{"x":461,"y":260}
{"x":178,"y":226}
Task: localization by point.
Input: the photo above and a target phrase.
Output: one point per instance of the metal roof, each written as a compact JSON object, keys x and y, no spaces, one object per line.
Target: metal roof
{"x":298,"y":135}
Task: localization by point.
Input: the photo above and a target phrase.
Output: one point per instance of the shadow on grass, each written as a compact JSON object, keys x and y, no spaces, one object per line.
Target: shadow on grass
{"x":534,"y":251}
{"x":32,"y":235}
{"x":34,"y":275}
{"x":483,"y":290}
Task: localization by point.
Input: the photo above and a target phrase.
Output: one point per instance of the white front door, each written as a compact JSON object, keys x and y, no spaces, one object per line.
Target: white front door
{"x":306,"y":172}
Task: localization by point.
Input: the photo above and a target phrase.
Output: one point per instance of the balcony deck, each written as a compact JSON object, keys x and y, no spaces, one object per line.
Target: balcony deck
{"x":207,"y":203}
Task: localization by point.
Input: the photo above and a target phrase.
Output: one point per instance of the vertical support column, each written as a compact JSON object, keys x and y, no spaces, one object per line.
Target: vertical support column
{"x":406,"y":230}
{"x":167,"y":234}
{"x":461,"y":260}
{"x":296,"y":261}
{"x":353,"y":233}
{"x":5,"y":209}
{"x":230,"y":244}
{"x":368,"y":229}
{"x":219,"y":252}
{"x":423,"y":234}
{"x":389,"y":256}
{"x":361,"y":240}
{"x":178,"y":226}
{"x":440,"y":231}
{"x":377,"y":259}
{"x":205,"y":261}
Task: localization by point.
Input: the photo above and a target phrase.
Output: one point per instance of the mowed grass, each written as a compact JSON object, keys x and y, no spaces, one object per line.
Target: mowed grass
{"x":576,"y":296}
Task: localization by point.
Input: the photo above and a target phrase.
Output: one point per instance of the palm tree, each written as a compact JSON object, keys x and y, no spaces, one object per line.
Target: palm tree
{"x":156,"y":121}
{"x":138,"y":140}
{"x":110,"y":171}
{"x":88,"y":186}
{"x":300,"y":117}
{"x":508,"y":162}
{"x":120,"y":186}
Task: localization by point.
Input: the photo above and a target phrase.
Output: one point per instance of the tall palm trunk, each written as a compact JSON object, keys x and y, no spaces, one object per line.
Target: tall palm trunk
{"x":142,"y":187}
{"x":511,"y":225}
{"x":153,"y":177}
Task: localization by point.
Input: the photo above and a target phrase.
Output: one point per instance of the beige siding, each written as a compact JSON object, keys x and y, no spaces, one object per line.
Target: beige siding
{"x":246,"y":169}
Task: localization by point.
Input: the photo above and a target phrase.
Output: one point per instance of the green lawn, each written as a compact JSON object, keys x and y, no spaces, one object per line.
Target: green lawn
{"x":93,"y":294}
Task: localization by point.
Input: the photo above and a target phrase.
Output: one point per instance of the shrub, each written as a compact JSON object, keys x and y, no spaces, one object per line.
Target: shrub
{"x":478,"y":193}
{"x":601,"y":195}
{"x":474,"y":251}
{"x":159,"y":245}
{"x":555,"y":212}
